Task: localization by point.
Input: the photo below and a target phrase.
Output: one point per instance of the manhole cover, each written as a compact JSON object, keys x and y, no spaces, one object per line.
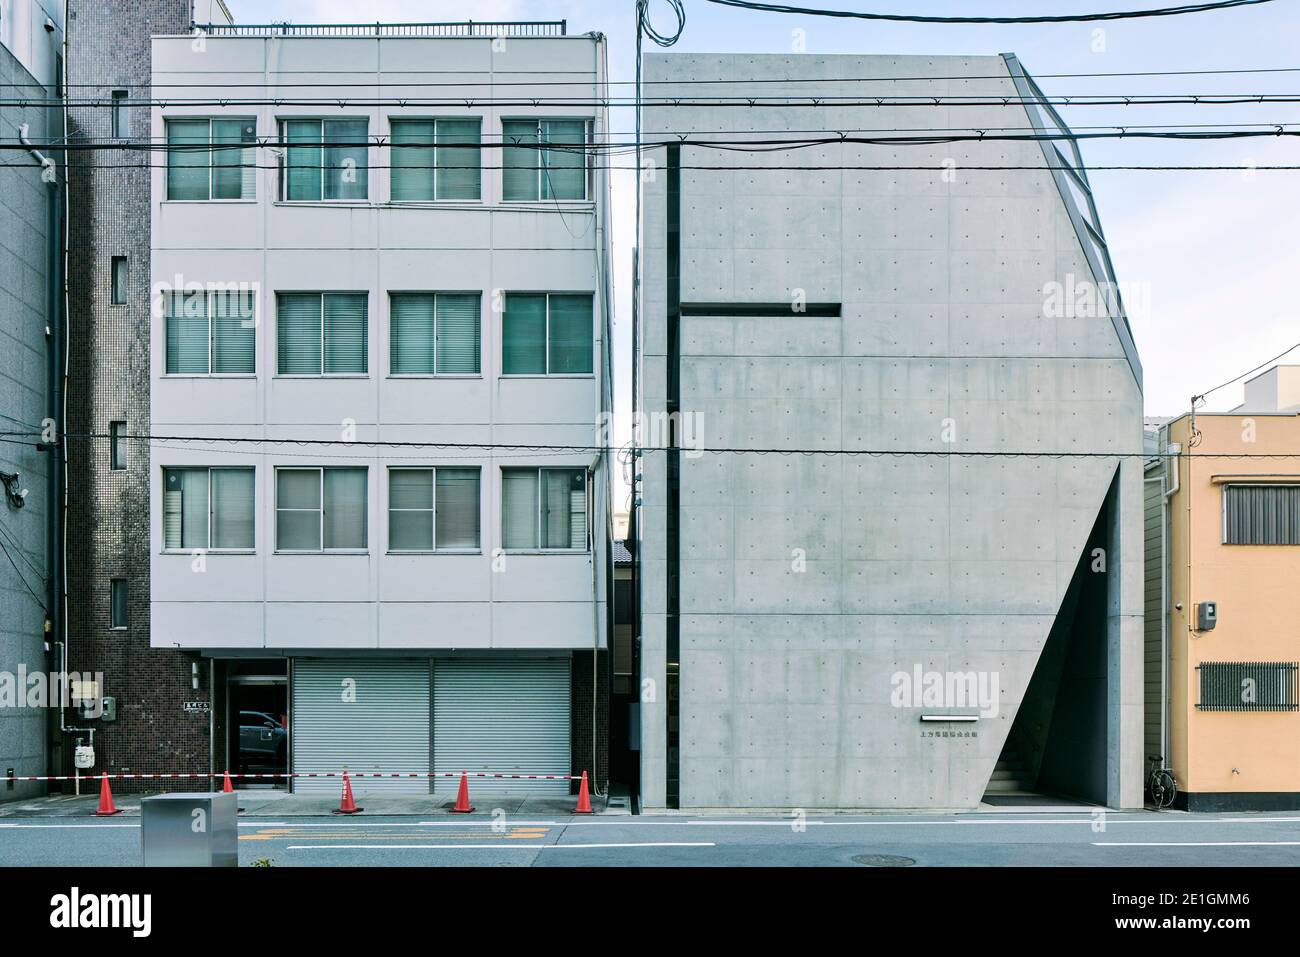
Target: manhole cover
{"x":883,"y":860}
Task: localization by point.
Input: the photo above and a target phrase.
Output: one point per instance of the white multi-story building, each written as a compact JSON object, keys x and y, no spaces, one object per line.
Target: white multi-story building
{"x":378,"y":376}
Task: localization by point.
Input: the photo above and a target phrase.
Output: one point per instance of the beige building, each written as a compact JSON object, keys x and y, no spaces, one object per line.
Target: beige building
{"x":1223,"y":606}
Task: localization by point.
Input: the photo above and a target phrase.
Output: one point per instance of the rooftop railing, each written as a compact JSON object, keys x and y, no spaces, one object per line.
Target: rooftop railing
{"x":467,"y":28}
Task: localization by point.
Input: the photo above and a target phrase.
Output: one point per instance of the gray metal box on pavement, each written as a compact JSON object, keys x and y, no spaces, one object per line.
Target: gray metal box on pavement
{"x":196,"y":829}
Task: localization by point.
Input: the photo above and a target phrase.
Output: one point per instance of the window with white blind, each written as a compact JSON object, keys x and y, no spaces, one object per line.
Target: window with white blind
{"x":546,"y":334}
{"x":433,"y":509}
{"x":543,"y":509}
{"x":210,"y":332}
{"x":209,"y":508}
{"x":434,"y":333}
{"x":436,"y":159}
{"x":322,"y":333}
{"x":1261,"y":514}
{"x":543,"y":160}
{"x":211,"y":159}
{"x":320,"y":509}
{"x":325,"y":160}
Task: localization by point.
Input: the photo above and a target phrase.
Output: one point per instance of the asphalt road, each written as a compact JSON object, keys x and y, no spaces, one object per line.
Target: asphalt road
{"x":1046,"y":838}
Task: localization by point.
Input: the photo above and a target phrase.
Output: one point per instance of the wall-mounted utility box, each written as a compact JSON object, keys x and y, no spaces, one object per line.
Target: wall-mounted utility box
{"x":1207,"y":615}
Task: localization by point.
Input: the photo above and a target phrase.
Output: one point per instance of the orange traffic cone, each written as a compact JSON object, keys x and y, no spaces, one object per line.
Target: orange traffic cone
{"x":584,"y":798}
{"x":106,"y":808}
{"x":227,"y":788}
{"x":462,"y":797}
{"x":346,"y":804}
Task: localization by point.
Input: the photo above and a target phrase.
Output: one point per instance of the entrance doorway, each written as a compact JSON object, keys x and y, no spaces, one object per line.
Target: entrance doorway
{"x":257,"y":723}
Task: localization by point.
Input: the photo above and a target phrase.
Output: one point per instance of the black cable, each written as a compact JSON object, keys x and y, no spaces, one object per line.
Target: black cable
{"x":1198,"y":398}
{"x":497,"y":81}
{"x":721,"y":450}
{"x":908,"y":101}
{"x":1166,"y":168}
{"x":38,"y":599}
{"x":735,"y":145}
{"x":1061,"y":18}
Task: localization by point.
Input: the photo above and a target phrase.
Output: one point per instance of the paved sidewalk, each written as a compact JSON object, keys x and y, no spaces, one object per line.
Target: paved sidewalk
{"x":274,"y":803}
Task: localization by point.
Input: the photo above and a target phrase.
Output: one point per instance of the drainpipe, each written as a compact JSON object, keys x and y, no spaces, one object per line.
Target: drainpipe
{"x":60,"y":405}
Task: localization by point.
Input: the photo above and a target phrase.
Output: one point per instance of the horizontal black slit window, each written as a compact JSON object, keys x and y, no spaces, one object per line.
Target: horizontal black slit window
{"x":1248,"y":686}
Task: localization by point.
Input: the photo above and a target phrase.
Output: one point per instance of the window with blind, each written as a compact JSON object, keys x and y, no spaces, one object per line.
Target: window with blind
{"x":544,"y":509}
{"x":436,"y":159}
{"x":322,"y":333}
{"x":546,"y":334}
{"x":325,"y":160}
{"x":434,"y":333}
{"x":209,"y":508}
{"x":433,"y":509}
{"x":1261,"y":514}
{"x":543,"y":160}
{"x":211,"y":159}
{"x":320,"y":509}
{"x":210,"y":332}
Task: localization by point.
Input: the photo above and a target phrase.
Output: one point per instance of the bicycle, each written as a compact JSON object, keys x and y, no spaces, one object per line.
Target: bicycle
{"x":1160,"y":783}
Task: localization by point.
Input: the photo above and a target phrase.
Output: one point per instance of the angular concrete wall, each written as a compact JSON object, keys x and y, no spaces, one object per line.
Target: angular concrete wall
{"x":807,"y":581}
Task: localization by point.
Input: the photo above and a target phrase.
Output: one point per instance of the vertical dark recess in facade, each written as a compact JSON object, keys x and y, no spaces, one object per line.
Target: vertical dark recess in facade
{"x":672,"y":673}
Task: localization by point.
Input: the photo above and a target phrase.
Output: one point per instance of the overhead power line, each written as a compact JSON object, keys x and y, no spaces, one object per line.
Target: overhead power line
{"x":747,"y":145}
{"x":733,"y":167}
{"x":717,"y":450}
{"x":908,"y":101}
{"x":500,"y":80}
{"x":1058,"y":18}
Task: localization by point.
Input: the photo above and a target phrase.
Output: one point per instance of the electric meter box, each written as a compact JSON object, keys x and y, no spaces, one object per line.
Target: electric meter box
{"x":1207,"y":615}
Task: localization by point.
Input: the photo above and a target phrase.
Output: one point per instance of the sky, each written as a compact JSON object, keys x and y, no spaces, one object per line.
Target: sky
{"x":1215,"y":254}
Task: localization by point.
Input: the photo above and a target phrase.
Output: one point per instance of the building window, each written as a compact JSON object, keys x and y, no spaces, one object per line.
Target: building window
{"x":208,"y":508}
{"x":322,"y":333}
{"x":430,"y":509}
{"x":118,"y":281}
{"x":121,"y":115}
{"x":1248,"y":686}
{"x":211,"y":159}
{"x":546,"y":334}
{"x":544,"y":509}
{"x":325,"y":159}
{"x":117,"y":604}
{"x":210,"y":332}
{"x":1261,"y":514}
{"x":117,"y":447}
{"x":320,"y":509}
{"x":434,"y":333}
{"x":544,"y":159}
{"x":435,"y":159}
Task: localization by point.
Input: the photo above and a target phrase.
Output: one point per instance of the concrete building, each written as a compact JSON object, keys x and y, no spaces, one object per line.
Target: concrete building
{"x":904,"y":629}
{"x":1223,"y":557}
{"x":30,"y":374}
{"x":372,"y":324}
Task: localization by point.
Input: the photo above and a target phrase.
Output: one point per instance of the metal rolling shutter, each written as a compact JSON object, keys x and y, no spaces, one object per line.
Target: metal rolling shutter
{"x":510,"y":717}
{"x":385,"y":729}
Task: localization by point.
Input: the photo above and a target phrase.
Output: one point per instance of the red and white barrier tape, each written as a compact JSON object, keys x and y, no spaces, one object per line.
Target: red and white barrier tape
{"x":180,"y":775}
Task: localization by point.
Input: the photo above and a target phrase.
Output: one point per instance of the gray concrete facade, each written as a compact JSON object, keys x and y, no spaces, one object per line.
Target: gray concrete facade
{"x":809,"y":582}
{"x":25,"y":204}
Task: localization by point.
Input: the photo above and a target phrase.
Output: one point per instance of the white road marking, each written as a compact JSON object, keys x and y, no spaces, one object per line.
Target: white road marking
{"x":1196,"y":843}
{"x":70,"y":827}
{"x":489,"y":847}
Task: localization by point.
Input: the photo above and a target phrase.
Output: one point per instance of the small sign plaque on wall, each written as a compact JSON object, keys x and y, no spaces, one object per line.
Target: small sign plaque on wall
{"x":196,"y":707}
